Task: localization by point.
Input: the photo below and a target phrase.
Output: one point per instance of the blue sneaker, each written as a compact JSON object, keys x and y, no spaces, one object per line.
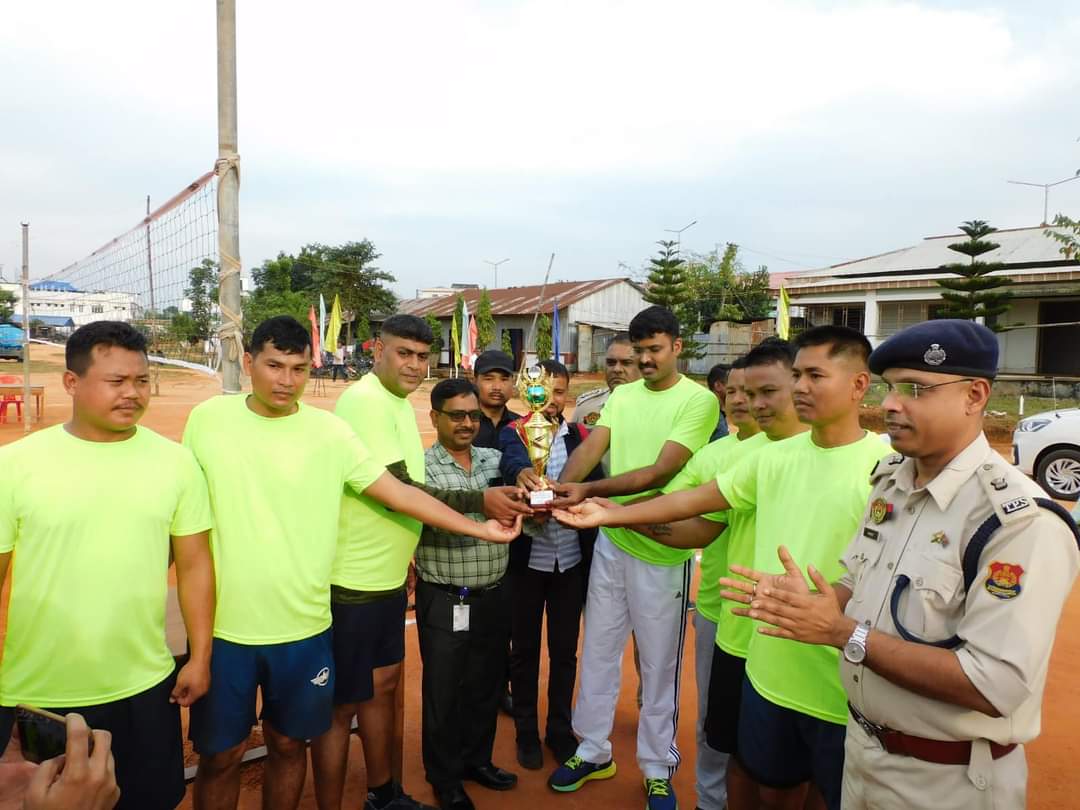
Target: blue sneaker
{"x":659,"y":795}
{"x":575,"y":772}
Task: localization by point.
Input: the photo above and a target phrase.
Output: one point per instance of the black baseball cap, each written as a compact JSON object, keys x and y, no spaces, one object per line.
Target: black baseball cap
{"x":494,"y":360}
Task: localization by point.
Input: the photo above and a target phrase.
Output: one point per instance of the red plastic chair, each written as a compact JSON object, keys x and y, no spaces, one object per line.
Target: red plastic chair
{"x":11,"y":399}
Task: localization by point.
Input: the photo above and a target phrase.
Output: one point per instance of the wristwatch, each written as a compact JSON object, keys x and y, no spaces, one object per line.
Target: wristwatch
{"x":855,"y":649}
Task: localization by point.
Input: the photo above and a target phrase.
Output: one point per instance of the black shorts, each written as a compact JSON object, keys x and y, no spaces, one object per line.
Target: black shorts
{"x":368,"y":635}
{"x":146,"y":744}
{"x":725,"y":700}
{"x":782,"y":748}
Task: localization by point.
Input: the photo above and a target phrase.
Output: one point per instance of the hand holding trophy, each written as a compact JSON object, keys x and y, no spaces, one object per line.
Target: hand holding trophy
{"x":537,"y":432}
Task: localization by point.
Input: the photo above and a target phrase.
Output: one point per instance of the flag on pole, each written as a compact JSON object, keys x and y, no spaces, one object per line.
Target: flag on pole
{"x":455,"y":342}
{"x":463,"y":347}
{"x":470,"y":358}
{"x":555,"y":331}
{"x":322,"y":321}
{"x":333,"y":329}
{"x":783,"y":317}
{"x":316,"y":352}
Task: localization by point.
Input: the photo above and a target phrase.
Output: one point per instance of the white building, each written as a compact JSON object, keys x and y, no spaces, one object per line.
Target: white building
{"x":880,"y":295}
{"x":55,"y":302}
{"x":590,"y":313}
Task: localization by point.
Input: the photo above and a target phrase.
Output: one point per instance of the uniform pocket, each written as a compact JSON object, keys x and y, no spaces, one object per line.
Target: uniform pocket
{"x":934,"y":605}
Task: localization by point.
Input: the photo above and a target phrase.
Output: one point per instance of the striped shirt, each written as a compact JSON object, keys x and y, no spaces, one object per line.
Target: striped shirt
{"x":444,"y":558}
{"x":554,"y":542}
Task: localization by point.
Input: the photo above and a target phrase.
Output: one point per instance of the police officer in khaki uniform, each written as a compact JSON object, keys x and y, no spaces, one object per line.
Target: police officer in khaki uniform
{"x":620,"y":366}
{"x":955,"y":583}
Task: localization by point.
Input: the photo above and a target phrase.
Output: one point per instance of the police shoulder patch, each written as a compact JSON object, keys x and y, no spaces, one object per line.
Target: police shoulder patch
{"x":1003,"y":580}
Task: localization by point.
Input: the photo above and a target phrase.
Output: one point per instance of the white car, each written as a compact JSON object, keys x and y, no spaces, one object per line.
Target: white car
{"x":1046,"y":446}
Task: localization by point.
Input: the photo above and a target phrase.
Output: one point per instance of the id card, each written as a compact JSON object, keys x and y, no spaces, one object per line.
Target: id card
{"x":461,"y":618}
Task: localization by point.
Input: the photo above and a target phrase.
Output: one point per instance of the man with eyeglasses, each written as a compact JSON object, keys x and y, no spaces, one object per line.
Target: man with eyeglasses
{"x":954,"y":585}
{"x":463,"y":613}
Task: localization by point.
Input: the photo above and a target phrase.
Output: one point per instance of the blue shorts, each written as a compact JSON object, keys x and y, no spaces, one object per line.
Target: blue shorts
{"x":781,"y":748}
{"x":297,"y":682}
{"x":367,"y":636}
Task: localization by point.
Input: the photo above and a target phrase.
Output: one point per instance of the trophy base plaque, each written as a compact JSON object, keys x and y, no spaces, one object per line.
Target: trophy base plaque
{"x":541,"y":498}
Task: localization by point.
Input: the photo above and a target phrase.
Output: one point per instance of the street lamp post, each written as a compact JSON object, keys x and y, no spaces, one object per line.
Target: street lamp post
{"x":495,"y":267}
{"x":1046,"y":193}
{"x":678,"y":235}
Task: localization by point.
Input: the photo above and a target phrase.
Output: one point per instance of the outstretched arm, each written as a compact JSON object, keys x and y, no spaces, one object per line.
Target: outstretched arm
{"x":586,"y":456}
{"x":665,"y":509}
{"x":418,"y":504}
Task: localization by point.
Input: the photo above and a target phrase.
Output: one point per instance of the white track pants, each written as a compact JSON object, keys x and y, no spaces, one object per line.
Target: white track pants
{"x":627,"y":594}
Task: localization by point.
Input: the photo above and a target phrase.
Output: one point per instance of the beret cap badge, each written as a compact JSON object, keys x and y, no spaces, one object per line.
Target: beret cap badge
{"x":935,"y":355}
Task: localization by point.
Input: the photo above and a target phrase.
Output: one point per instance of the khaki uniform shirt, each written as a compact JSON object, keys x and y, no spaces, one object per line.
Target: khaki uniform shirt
{"x":587,"y":411}
{"x":1006,"y":621}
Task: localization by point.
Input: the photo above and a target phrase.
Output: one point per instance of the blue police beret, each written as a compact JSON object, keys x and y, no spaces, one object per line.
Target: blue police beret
{"x":946,"y":346}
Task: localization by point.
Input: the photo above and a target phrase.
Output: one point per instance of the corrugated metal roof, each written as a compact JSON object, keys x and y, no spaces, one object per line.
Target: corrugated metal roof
{"x":1019,"y":248}
{"x":511,"y":300}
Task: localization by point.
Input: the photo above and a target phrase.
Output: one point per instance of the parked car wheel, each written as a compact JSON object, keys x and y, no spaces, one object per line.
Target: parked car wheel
{"x":1059,"y":474}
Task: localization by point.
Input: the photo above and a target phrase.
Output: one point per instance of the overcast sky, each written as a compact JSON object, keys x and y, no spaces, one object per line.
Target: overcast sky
{"x":452,"y":132}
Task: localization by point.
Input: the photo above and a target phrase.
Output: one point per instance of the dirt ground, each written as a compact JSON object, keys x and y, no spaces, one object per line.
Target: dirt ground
{"x":1054,"y":781}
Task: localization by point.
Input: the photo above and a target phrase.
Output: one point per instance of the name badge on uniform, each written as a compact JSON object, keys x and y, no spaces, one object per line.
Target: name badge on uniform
{"x":460,"y":622}
{"x":880,"y":510}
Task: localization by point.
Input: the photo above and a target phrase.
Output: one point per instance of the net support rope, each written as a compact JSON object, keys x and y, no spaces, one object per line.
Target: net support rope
{"x":231,"y":330}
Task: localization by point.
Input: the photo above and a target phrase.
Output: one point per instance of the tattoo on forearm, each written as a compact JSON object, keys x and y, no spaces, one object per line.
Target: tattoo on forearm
{"x":659,"y":529}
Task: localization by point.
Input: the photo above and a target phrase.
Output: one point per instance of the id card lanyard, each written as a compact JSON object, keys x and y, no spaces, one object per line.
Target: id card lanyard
{"x":460,"y":622}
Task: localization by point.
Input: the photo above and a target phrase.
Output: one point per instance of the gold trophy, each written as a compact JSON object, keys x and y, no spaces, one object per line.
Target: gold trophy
{"x":534,"y":388}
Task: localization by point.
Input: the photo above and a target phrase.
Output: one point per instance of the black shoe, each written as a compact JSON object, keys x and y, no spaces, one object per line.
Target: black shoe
{"x":529,"y":754}
{"x":562,"y":747}
{"x":453,"y":798}
{"x":491,"y":777}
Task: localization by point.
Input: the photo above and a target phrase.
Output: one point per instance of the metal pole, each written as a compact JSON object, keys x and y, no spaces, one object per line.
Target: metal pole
{"x":228,"y":200}
{"x":153,"y":306}
{"x":27,"y":407}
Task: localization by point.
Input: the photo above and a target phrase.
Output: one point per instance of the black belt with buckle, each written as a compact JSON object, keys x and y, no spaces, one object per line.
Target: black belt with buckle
{"x":464,"y":592}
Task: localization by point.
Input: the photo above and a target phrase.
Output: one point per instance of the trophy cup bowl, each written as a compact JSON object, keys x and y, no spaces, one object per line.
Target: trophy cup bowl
{"x":534,"y":387}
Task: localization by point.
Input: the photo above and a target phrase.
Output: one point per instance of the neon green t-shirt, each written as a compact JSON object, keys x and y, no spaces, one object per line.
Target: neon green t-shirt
{"x":735,"y":545}
{"x":810,"y":499}
{"x":641,"y":421}
{"x":375,"y":544}
{"x":275,"y":489}
{"x":89,"y":524}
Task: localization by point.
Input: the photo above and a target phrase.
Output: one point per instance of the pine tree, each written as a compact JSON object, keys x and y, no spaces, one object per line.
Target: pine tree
{"x":363,"y":329}
{"x":669,"y":286}
{"x":507,"y":345}
{"x":976,"y":293}
{"x":485,"y":322}
{"x":543,"y":337}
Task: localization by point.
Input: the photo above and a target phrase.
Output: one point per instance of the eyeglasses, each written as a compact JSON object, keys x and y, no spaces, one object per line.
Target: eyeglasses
{"x":457,"y":417}
{"x":911,"y":390}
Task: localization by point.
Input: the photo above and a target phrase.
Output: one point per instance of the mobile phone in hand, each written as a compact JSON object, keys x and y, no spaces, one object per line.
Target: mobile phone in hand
{"x":42,"y":734}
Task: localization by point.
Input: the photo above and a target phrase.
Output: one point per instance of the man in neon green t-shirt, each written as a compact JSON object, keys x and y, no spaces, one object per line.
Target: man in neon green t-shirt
{"x":652,"y":427}
{"x":368,"y":581}
{"x":758,"y":396}
{"x":92,"y":510}
{"x":276,"y":470}
{"x":809,"y":493}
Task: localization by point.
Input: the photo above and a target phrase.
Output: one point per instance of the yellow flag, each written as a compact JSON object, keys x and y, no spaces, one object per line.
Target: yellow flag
{"x":333,"y":329}
{"x":783,"y":318}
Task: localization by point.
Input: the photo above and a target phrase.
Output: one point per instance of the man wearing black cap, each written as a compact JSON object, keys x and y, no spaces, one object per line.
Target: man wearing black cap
{"x":955,"y":583}
{"x":495,"y":382}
